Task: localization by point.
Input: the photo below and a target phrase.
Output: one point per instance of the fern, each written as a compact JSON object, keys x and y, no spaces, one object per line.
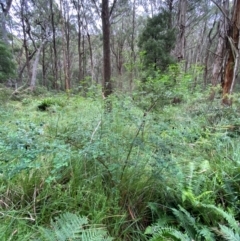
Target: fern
{"x":195,"y":230}
{"x":186,"y":221}
{"x":70,"y":226}
{"x":227,"y":233}
{"x":227,"y":216}
{"x":95,"y":234}
{"x":169,"y":233}
{"x":207,"y":234}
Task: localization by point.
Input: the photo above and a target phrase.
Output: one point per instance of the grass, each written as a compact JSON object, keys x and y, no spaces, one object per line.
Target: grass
{"x":124,"y":170}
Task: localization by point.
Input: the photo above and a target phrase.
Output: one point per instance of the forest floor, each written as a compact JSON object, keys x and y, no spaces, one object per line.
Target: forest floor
{"x":71,"y":171}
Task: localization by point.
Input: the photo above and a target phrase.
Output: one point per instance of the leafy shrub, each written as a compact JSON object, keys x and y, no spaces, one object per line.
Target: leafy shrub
{"x":5,"y":94}
{"x":48,"y":102}
{"x":7,"y":65}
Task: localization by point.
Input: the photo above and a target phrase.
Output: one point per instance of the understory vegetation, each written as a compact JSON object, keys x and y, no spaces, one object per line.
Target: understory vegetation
{"x":164,"y":164}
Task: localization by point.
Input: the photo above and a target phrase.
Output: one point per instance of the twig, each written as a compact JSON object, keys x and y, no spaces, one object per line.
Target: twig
{"x":95,"y":131}
{"x":6,"y":215}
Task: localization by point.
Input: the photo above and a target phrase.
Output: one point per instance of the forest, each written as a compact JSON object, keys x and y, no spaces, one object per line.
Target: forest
{"x":119,"y":120}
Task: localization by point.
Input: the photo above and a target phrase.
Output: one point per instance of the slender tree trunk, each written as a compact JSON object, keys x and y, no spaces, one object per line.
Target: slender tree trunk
{"x":35,"y":65}
{"x":80,"y":23}
{"x":55,"y":55}
{"x":107,"y":85}
{"x":67,"y":33}
{"x":133,"y":55}
{"x":44,"y":69}
{"x":233,"y":53}
{"x":25,"y":44}
{"x":210,"y":39}
{"x":65,"y":44}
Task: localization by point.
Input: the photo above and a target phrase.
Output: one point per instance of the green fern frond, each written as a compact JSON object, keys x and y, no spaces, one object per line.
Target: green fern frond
{"x":95,"y":234}
{"x":169,"y":234}
{"x":69,"y":226}
{"x":228,"y":234}
{"x":206,"y":233}
{"x":227,"y":216}
{"x":186,"y":221}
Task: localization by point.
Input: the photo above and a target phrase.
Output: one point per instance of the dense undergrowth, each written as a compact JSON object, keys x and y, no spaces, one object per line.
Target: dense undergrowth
{"x":152,"y":169}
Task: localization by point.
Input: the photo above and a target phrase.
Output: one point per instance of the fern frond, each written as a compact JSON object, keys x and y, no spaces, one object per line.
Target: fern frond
{"x":228,"y":234}
{"x":169,"y":234}
{"x":186,"y":221}
{"x":227,"y":216}
{"x":95,"y":234}
{"x":69,"y":226}
{"x":206,"y":233}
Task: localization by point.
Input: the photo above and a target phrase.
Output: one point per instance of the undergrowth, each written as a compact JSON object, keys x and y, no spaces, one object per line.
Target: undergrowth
{"x":146,"y":171}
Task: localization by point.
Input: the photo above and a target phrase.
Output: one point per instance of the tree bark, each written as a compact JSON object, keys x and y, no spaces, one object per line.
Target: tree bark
{"x":221,"y":48}
{"x":35,"y":65}
{"x":65,"y":42}
{"x":181,"y":38}
{"x":132,"y":45}
{"x":55,"y":55}
{"x":25,"y":42}
{"x":233,"y":53}
{"x":107,"y":85}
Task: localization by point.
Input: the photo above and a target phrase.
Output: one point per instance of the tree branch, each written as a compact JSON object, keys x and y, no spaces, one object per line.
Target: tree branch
{"x":222,"y":10}
{"x":112,"y":8}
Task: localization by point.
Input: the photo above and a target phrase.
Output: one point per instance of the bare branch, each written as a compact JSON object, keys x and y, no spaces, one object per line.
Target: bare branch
{"x":222,"y":10}
{"x":112,"y":8}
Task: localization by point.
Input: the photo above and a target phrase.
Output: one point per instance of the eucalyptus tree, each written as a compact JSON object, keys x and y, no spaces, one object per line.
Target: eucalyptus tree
{"x":65,"y":28}
{"x":42,"y":32}
{"x":121,"y":29}
{"x":80,"y":8}
{"x":217,"y":70}
{"x":106,"y":11}
{"x":105,"y":15}
{"x":181,"y":36}
{"x":233,"y":48}
{"x":29,"y":46}
{"x":32,"y":32}
{"x":53,"y":20}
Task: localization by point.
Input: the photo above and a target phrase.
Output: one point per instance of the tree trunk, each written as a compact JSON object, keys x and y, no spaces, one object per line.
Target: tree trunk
{"x":25,"y":43}
{"x":65,"y":43}
{"x":221,"y":48}
{"x":78,"y":7}
{"x":35,"y":65}
{"x":55,"y":55}
{"x":181,"y":38}
{"x":233,"y":54}
{"x":44,"y":66}
{"x":132,"y":45}
{"x":107,"y":85}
